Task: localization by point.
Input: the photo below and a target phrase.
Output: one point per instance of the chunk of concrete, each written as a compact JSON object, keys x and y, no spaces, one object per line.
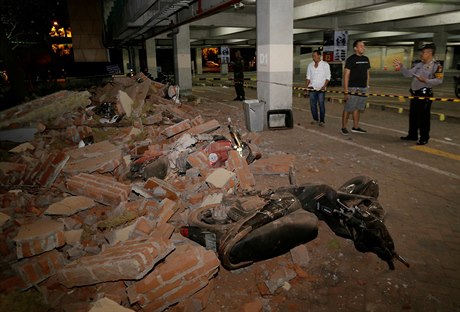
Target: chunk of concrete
{"x":126,"y":102}
{"x":70,"y":205}
{"x":22,"y":148}
{"x":4,"y":218}
{"x":108,"y":305}
{"x":220,"y":177}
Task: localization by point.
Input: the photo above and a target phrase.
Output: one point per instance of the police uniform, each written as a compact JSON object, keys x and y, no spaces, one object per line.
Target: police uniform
{"x":420,"y":108}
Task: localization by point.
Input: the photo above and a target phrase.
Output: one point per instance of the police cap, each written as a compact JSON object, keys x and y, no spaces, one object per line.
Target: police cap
{"x":430,"y":46}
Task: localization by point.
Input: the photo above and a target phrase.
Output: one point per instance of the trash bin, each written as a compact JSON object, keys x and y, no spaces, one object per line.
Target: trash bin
{"x":254,"y":115}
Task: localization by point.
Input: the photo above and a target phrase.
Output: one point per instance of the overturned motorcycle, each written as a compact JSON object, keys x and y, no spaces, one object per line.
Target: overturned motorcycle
{"x":253,"y":228}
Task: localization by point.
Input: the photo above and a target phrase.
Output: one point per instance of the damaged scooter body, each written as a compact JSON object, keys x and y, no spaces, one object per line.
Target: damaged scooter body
{"x":288,"y":217}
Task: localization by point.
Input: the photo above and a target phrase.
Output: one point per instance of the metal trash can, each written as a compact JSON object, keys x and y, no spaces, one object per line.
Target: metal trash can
{"x":254,"y":115}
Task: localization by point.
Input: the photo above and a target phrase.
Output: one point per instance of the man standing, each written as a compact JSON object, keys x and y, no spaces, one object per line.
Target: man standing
{"x":238,"y":76}
{"x":318,"y":76}
{"x":356,"y":82}
{"x":426,"y":74}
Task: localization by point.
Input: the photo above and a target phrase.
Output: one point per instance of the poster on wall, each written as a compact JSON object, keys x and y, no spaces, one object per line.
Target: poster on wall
{"x":225,"y":54}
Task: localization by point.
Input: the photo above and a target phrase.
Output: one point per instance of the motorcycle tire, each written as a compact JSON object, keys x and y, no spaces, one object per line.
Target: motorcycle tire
{"x":457,"y":89}
{"x":202,"y":218}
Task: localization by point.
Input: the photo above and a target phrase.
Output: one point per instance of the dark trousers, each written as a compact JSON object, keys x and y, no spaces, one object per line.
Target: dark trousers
{"x":239,"y":89}
{"x":420,"y":119}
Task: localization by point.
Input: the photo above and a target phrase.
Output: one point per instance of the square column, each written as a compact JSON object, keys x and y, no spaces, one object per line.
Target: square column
{"x":275,"y":53}
{"x":182,"y":60}
{"x":198,"y":61}
{"x":151,"y":51}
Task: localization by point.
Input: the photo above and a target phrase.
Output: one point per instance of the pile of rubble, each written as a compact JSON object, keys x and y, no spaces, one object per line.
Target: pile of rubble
{"x":92,"y":203}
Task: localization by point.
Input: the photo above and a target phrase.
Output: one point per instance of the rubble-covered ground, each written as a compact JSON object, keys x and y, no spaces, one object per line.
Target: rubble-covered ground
{"x":93,"y":202}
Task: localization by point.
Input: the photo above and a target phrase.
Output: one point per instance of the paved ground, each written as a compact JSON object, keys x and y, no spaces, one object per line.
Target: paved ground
{"x":419,"y":189}
{"x":382,"y":83}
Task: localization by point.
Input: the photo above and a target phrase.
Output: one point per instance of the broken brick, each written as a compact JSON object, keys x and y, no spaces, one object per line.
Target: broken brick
{"x":38,"y":237}
{"x":169,"y":191}
{"x":238,"y":164}
{"x":130,"y":260}
{"x":36,"y":269}
{"x":177,"y":128}
{"x":182,"y":274}
{"x":102,"y":189}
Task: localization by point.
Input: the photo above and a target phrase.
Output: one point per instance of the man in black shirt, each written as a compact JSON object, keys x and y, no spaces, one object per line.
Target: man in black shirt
{"x":356,"y":82}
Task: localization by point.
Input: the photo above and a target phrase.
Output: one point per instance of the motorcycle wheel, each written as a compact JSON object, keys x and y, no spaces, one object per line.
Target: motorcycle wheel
{"x":203,"y":218}
{"x":457,"y":89}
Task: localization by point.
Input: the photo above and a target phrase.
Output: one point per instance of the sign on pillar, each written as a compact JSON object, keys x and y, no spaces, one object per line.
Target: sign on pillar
{"x":335,"y":46}
{"x":263,"y":59}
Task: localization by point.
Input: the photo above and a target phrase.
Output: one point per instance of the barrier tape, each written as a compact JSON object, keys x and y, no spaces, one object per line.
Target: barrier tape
{"x":350,"y":93}
{"x":387,"y":95}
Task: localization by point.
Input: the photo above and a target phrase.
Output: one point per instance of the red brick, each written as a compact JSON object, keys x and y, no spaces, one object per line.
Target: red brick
{"x":36,"y":269}
{"x":170,"y":278}
{"x":115,"y":291}
{"x":102,"y":189}
{"x":188,"y":289}
{"x":195,"y":198}
{"x":198,"y":120}
{"x":52,"y":167}
{"x":131,"y":260}
{"x":171,"y":192}
{"x":205,"y":127}
{"x":177,"y":128}
{"x":178,"y":265}
{"x":142,"y":228}
{"x":12,"y":283}
{"x":38,"y":237}
{"x":198,"y":159}
{"x":165,"y":211}
{"x":161,"y":291}
{"x":238,"y":164}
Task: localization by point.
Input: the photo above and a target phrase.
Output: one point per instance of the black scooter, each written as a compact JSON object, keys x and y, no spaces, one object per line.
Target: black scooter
{"x":253,"y":228}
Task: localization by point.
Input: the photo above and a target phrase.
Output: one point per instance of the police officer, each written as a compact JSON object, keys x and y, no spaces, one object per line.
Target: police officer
{"x":425,"y":75}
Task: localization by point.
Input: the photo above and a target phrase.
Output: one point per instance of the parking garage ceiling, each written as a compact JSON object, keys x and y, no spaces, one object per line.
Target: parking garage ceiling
{"x":378,"y":22}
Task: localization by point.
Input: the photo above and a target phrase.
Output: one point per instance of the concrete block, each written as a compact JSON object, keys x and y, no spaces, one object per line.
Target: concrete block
{"x":70,"y":205}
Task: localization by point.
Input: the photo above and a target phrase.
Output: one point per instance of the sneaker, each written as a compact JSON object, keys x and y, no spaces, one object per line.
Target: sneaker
{"x":314,"y":122}
{"x":358,"y":130}
{"x":344,"y":131}
{"x":321,"y":124}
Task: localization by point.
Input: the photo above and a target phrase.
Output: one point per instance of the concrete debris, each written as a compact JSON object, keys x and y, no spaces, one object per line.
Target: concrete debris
{"x":107,"y":305}
{"x":92,"y":210}
{"x":70,"y":205}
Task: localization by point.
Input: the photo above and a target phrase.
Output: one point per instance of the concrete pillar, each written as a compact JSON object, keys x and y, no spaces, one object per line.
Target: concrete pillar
{"x":449,"y":61}
{"x":383,"y":54}
{"x":151,"y":51}
{"x":224,"y":69}
{"x":297,"y":58}
{"x":182,"y":60}
{"x":126,"y":61}
{"x":136,"y":60}
{"x":198,"y":62}
{"x":440,"y":40}
{"x":275,"y":53}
